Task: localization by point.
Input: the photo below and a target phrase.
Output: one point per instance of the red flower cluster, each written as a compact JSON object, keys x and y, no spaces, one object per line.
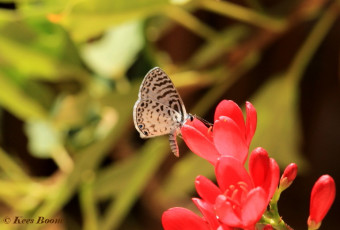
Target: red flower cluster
{"x":241,"y":197}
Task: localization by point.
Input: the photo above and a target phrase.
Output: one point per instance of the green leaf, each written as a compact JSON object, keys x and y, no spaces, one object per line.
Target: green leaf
{"x":26,"y":59}
{"x":113,"y":175}
{"x":184,"y":173}
{"x":221,"y":44}
{"x":114,"y":53}
{"x":278,"y":128}
{"x":151,"y":156}
{"x":43,"y":138}
{"x":10,"y":167}
{"x":38,"y":49}
{"x":18,"y":102}
{"x":88,"y":159}
{"x":90,"y":18}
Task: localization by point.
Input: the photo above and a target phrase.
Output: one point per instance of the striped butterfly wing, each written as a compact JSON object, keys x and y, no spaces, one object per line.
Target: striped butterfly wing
{"x":159,"y":109}
{"x":158,"y":86}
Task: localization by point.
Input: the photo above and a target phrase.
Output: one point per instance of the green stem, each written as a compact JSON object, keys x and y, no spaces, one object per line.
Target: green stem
{"x":272,"y":216}
{"x":314,"y":39}
{"x":151,"y":157}
{"x":187,"y":20}
{"x":243,"y":14}
{"x":88,"y":204}
{"x":11,"y":168}
{"x":255,"y":5}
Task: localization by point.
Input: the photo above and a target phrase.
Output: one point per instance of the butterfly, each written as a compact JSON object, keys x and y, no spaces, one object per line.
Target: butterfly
{"x":159,"y":109}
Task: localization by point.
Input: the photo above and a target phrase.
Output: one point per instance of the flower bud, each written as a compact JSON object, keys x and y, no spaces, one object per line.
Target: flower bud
{"x":288,"y":176}
{"x":322,"y":197}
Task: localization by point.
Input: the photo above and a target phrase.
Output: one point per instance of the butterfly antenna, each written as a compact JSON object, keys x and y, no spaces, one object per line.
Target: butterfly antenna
{"x":207,"y":123}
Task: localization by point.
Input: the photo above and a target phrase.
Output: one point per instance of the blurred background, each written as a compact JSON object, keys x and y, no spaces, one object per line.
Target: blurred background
{"x":70,"y":72}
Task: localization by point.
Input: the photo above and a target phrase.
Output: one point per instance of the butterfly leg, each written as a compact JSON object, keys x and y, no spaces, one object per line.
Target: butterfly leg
{"x":173,"y":143}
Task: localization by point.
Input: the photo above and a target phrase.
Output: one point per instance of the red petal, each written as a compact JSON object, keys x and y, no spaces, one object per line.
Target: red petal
{"x":230,"y":171}
{"x":182,"y":219}
{"x":207,"y":209}
{"x":228,"y":108}
{"x":228,"y":139}
{"x":225,"y":212}
{"x":322,"y":197}
{"x":259,"y":166}
{"x":253,"y":207}
{"x":251,"y":122}
{"x":199,"y":143}
{"x":200,"y":126}
{"x":275,"y":177}
{"x":224,"y":227}
{"x":207,"y":189}
{"x":264,"y":171}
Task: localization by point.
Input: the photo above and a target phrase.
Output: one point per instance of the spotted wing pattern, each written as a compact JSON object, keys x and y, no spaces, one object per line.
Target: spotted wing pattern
{"x":155,"y":119}
{"x":159,"y":109}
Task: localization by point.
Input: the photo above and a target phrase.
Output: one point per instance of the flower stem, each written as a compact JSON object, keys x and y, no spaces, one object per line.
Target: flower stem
{"x":244,"y":14}
{"x":272,"y":216}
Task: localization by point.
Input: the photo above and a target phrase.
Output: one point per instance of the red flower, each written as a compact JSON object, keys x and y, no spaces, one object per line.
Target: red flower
{"x":240,"y":199}
{"x":231,"y":136}
{"x":245,"y":197}
{"x":322,"y":197}
{"x":238,"y":202}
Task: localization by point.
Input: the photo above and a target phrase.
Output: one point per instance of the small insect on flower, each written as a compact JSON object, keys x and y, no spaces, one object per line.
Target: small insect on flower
{"x":159,"y":109}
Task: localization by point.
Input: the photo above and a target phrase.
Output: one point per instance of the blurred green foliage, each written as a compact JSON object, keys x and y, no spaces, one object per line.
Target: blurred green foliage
{"x":70,"y":73}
